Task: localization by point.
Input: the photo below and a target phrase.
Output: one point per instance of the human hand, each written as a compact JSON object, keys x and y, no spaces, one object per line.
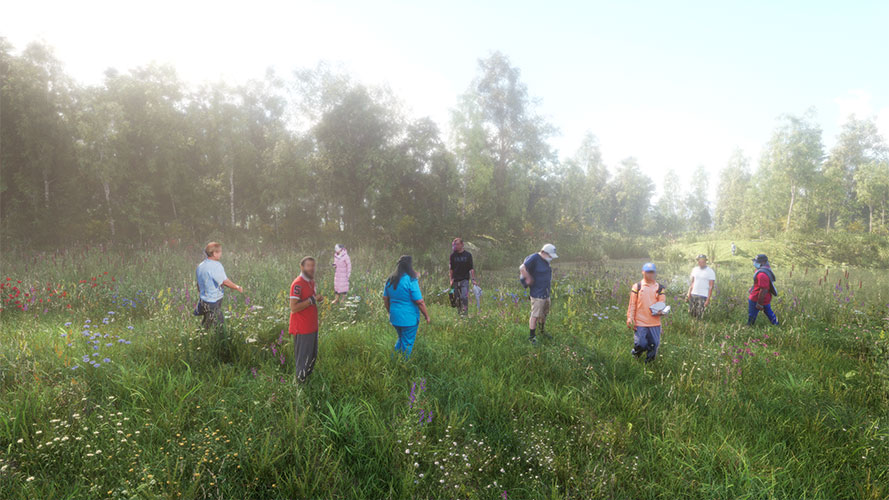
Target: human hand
{"x":318,"y":298}
{"x":759,"y":307}
{"x":631,"y":324}
{"x":240,"y":289}
{"x":428,"y":320}
{"x":706,"y":302}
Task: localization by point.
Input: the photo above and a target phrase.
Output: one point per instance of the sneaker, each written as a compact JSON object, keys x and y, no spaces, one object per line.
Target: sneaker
{"x":533,"y":340}
{"x":635,"y":352}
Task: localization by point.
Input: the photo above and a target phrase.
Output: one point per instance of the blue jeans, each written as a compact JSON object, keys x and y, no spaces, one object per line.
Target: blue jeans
{"x":647,"y":338}
{"x":753,"y":312}
{"x":406,"y":336}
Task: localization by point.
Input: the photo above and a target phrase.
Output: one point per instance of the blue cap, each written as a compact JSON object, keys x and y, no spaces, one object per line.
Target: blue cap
{"x":649,"y":266}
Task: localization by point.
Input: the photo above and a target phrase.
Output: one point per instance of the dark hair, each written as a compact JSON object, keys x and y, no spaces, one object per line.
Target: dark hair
{"x":405,"y":266}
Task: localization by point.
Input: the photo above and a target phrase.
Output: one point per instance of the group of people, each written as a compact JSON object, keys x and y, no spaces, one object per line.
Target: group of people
{"x":648,"y":301}
{"x":405,"y":305}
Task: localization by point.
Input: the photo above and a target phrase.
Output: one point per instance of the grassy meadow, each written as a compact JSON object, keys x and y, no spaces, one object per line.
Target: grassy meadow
{"x":108,"y":389}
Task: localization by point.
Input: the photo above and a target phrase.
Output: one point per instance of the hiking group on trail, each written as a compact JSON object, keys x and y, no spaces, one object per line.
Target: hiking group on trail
{"x":404,"y":302}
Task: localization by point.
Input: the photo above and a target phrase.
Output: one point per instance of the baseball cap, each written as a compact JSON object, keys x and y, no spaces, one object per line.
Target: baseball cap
{"x":649,"y":266}
{"x":702,"y":256}
{"x":550,"y":249}
{"x":761,"y":259}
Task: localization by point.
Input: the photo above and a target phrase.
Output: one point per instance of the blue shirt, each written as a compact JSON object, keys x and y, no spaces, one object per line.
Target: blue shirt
{"x":541,"y":273}
{"x":210,"y":275}
{"x":402,"y":309}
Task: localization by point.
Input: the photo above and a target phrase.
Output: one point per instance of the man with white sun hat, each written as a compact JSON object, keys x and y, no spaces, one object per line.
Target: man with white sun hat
{"x":537,"y":275}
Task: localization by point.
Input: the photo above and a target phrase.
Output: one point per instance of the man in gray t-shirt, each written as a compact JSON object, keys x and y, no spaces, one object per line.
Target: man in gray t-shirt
{"x":211,"y":278}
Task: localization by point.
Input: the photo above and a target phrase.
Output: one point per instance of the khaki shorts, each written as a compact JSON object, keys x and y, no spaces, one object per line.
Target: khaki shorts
{"x":540,"y":307}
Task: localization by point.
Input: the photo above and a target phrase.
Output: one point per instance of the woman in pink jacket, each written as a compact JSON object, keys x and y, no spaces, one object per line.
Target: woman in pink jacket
{"x":343,"y":265}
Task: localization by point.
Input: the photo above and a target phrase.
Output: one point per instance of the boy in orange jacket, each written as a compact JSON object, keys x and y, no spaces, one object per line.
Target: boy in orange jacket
{"x":645,"y":324}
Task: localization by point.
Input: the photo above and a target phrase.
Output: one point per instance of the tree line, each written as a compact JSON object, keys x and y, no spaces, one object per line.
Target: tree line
{"x":317,"y":155}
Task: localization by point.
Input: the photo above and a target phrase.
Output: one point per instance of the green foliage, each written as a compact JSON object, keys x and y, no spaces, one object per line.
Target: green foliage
{"x":143,"y":158}
{"x":475,"y":413}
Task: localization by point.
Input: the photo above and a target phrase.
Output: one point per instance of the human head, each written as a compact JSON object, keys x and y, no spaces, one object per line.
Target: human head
{"x":457,"y":244}
{"x":702,"y":261}
{"x":548,"y":252}
{"x":307,"y":267}
{"x":213,"y":250}
{"x":405,"y":265}
{"x":649,"y":271}
{"x":760,"y":260}
{"x":338,"y":248}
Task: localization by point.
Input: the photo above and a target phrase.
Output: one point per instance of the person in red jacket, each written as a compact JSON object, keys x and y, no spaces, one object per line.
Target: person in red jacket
{"x":760,"y":295}
{"x":304,"y":319}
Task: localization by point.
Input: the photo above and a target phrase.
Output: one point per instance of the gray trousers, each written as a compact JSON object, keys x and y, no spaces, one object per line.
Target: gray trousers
{"x":461,"y":289}
{"x":696,"y":305}
{"x":305,"y":352}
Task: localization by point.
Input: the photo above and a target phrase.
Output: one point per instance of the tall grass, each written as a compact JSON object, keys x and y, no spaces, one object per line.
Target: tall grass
{"x":797,"y":411}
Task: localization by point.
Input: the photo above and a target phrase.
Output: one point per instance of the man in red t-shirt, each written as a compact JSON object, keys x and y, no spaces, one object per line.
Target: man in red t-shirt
{"x":304,"y":319}
{"x":760,"y":297}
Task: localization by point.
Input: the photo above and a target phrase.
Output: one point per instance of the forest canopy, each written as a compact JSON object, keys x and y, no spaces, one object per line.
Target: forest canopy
{"x":317,"y":154}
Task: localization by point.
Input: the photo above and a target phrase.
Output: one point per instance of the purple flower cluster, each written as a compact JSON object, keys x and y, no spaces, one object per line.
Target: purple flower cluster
{"x":94,"y":339}
{"x":424,"y":416}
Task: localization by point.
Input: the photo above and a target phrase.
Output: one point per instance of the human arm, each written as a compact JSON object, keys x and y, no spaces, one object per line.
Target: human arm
{"x":760,"y":300}
{"x":710,"y":292}
{"x":661,"y":297}
{"x":472,"y":270}
{"x":297,"y":305}
{"x":525,"y":274}
{"x":763,"y":283}
{"x":230,"y":284}
{"x":421,"y":305}
{"x":417,"y":298}
{"x":691,"y":287}
{"x":631,"y":311}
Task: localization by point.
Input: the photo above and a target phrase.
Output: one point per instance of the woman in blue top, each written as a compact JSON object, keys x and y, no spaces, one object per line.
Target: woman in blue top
{"x":404,"y":302}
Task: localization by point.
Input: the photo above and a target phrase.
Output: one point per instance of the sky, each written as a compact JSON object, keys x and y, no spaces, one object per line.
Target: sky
{"x":675,"y":84}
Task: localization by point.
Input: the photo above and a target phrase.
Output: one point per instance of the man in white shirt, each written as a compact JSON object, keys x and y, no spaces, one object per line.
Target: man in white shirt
{"x":701,"y":288}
